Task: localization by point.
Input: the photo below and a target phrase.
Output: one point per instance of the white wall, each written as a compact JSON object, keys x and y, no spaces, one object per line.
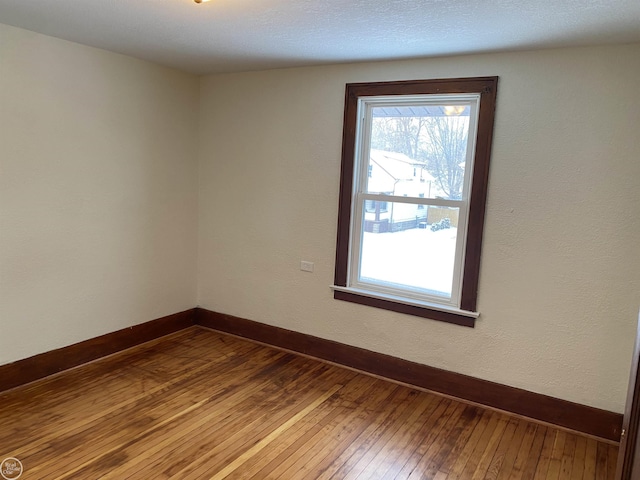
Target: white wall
{"x":560,"y":278}
{"x":97,"y":192}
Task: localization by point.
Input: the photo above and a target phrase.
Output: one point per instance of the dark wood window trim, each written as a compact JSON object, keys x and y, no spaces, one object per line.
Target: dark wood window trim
{"x":487,"y":88}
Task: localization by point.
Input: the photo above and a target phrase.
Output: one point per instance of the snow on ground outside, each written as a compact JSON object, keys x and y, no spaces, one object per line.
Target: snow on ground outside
{"x":417,"y":258}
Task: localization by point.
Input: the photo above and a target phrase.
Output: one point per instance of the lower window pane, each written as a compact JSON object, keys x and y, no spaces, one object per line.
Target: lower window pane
{"x":410,"y":246}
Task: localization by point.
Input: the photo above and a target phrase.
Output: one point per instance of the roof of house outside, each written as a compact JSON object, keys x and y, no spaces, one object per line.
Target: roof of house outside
{"x":398,"y":165}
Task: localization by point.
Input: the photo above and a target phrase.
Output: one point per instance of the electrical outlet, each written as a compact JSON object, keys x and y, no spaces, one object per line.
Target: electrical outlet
{"x":306,"y":266}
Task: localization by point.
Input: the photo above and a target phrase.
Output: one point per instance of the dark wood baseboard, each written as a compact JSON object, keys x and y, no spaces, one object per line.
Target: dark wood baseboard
{"x":582,"y":418}
{"x":39,"y":366}
{"x":593,"y":421}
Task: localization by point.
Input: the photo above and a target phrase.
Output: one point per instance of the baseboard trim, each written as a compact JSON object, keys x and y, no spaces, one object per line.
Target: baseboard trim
{"x":39,"y":366}
{"x":574,"y":416}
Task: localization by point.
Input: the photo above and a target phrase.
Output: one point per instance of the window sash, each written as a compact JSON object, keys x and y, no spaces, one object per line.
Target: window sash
{"x":406,"y":291}
{"x":359,"y":195}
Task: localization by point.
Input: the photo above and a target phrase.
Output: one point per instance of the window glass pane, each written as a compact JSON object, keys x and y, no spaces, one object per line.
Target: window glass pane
{"x":409,"y":246}
{"x":418,"y":150}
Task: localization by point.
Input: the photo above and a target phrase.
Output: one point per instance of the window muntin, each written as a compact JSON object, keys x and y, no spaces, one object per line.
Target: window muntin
{"x":472,"y":102}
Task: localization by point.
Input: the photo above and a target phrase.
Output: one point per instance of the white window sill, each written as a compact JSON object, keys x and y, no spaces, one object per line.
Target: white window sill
{"x":406,"y":301}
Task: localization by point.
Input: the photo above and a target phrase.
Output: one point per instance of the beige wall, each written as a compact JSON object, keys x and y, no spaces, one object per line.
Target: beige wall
{"x":97,"y":192}
{"x":98,"y":208}
{"x":560,"y":278}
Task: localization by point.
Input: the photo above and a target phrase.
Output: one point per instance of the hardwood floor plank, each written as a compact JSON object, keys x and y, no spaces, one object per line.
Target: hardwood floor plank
{"x":601,"y":461}
{"x":555,"y":461}
{"x":359,"y":445}
{"x":155,"y":408}
{"x":423,"y":437}
{"x":459,"y":462}
{"x":577,"y":469}
{"x":222,"y":440}
{"x":223,"y":398}
{"x":305,"y":463}
{"x":506,"y":455}
{"x":467,"y":470}
{"x":544,"y":460}
{"x":199,"y":404}
{"x":285,"y":446}
{"x":359,"y":469}
{"x":526,"y":445}
{"x":89,"y":388}
{"x":88,"y":420}
{"x":472,"y":417}
{"x":439,"y":448}
{"x":274,"y":434}
{"x":283,"y":449}
{"x":221,"y":408}
{"x":489,"y":448}
{"x":492,"y":457}
{"x":612,"y":461}
{"x":377,"y":428}
{"x":469,"y":417}
{"x":533,"y":455}
{"x":435,"y":428}
{"x":590,"y":460}
{"x":392,"y":450}
{"x":329,"y":409}
{"x":566,"y":464}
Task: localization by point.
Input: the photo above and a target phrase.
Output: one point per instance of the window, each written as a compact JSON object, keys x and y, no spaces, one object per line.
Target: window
{"x":421,"y":149}
{"x":373,"y":206}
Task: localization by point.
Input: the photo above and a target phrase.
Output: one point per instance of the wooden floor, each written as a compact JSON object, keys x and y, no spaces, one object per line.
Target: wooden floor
{"x":200,"y":405}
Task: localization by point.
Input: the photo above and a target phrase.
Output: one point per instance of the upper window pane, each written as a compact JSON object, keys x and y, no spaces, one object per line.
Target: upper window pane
{"x":419,"y":150}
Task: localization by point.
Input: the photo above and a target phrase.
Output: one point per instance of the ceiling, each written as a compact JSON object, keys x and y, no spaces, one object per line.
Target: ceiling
{"x":240,"y":35}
